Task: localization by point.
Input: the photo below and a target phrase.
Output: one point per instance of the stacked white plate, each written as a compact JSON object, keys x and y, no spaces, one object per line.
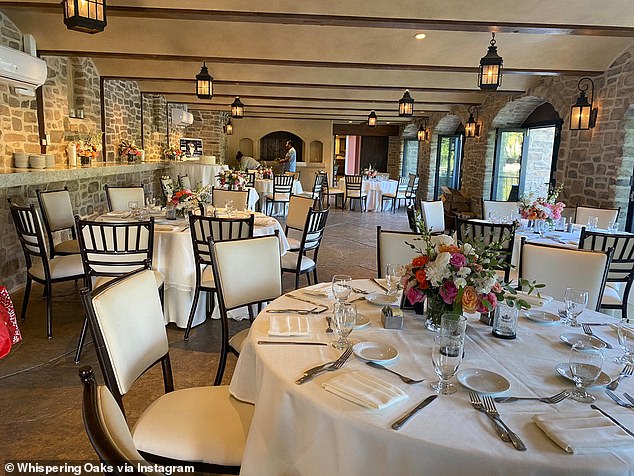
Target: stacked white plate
{"x":21,"y":160}
{"x":50,"y":161}
{"x":37,"y":161}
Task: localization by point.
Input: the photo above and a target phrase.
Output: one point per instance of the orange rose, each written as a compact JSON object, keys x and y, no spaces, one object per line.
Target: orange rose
{"x":420,"y":261}
{"x":449,"y":249}
{"x":421,"y":276}
{"x":469,"y":299}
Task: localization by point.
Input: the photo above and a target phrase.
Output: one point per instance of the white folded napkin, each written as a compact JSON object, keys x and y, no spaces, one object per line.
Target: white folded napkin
{"x":118,"y":213}
{"x":263,"y":221}
{"x":116,"y":219}
{"x":287,"y":326}
{"x":365,"y":390}
{"x":533,"y":299}
{"x":321,"y":290}
{"x":584,"y":432}
{"x":158,"y":227}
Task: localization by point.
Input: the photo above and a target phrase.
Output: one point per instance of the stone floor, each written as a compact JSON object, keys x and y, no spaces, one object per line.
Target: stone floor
{"x":40,"y":414}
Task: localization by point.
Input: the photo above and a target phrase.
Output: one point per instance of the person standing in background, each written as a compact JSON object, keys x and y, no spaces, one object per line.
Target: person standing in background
{"x":290,"y":158}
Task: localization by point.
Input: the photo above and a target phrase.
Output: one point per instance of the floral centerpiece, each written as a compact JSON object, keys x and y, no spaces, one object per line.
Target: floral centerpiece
{"x":543,"y":208}
{"x":181,"y":201}
{"x":129,"y":150}
{"x":86,"y":150}
{"x":370,"y":172}
{"x":172,"y":153}
{"x":204,"y":194}
{"x":232,"y":179}
{"x":266,"y":172}
{"x":457,"y":278}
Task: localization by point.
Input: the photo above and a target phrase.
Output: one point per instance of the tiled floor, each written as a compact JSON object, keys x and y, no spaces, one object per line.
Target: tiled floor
{"x":40,"y":414}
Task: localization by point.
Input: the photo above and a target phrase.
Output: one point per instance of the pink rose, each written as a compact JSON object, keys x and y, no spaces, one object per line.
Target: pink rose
{"x":497,"y":288}
{"x":493,"y":300}
{"x":449,"y":291}
{"x":415,"y":295}
{"x":458,"y":260}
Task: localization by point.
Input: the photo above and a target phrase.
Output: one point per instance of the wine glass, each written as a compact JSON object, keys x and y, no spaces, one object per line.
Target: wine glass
{"x":576,"y":301}
{"x":593,"y":222}
{"x":133,"y":206}
{"x":393,"y":274}
{"x":446,"y":355}
{"x":585,"y":363}
{"x":344,"y":319}
{"x":229,"y":207}
{"x":149,"y":201}
{"x":341,"y":287}
{"x":625,"y":331}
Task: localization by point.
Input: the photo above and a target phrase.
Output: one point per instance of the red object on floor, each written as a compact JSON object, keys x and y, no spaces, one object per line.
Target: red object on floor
{"x":9,"y":331}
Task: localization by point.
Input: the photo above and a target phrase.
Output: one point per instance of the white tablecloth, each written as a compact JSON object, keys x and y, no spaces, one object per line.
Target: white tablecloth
{"x":309,"y":431}
{"x":174,"y":257}
{"x":375,"y":190}
{"x":264,"y":186}
{"x":198,"y":173}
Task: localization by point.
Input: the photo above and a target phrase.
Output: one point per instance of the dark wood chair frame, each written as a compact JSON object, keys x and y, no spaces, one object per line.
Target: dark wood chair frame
{"x":411,"y":219}
{"x":326,"y":194}
{"x":250,"y":177}
{"x":32,"y":240}
{"x":111,"y":187}
{"x":622,"y":264}
{"x":400,"y":188}
{"x":282,"y":185}
{"x":110,"y":379}
{"x":49,"y":231}
{"x":354,"y":183}
{"x":311,"y":241}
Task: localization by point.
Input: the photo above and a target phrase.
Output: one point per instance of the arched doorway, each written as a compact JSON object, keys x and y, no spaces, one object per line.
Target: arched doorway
{"x":272,"y":145}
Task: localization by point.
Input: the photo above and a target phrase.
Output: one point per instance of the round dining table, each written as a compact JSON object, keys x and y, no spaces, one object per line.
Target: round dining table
{"x":306,"y":430}
{"x":375,"y":188}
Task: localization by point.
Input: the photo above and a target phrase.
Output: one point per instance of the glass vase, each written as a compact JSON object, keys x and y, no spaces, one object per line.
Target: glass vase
{"x":435,"y":309}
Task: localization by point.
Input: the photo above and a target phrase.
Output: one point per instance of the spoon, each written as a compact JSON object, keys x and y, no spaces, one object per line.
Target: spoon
{"x":405,"y":379}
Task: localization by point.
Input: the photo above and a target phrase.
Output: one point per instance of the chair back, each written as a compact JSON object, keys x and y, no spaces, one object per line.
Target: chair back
{"x":499,"y":209}
{"x":220,"y":196}
{"x":298,"y":209}
{"x":295,"y":175}
{"x":313,"y":231}
{"x":561,"y":268}
{"x":218,"y":229}
{"x":246,"y":271}
{"x":119,"y":197}
{"x":114,"y":249}
{"x":392,"y":248}
{"x":604,"y":215}
{"x":354,"y":184}
{"x":167,"y":186}
{"x":487,"y":233}
{"x":57,"y":210}
{"x":318,"y":186}
{"x":282,"y":187}
{"x":622,"y":245}
{"x":250,"y":178}
{"x":185,"y":182}
{"x":433,"y":214}
{"x":412,"y":186}
{"x":126,"y":321}
{"x":106,"y":426}
{"x":411,"y":219}
{"x":29,"y":229}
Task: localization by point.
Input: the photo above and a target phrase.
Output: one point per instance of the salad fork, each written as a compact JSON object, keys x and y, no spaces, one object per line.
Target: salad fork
{"x":626,"y":372}
{"x":489,"y":406}
{"x":478,"y":405}
{"x":329,"y":367}
{"x":587,"y":330}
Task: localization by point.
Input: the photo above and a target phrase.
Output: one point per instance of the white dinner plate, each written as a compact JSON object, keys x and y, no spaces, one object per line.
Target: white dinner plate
{"x":361,"y":321}
{"x":563,"y":369}
{"x":571,"y":338}
{"x":483,"y":381}
{"x":381,"y":299}
{"x":541,"y":317}
{"x":375,"y":351}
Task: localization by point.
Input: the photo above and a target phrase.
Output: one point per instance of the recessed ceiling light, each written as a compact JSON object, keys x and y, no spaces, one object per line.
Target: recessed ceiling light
{"x":349,"y":122}
{"x":420,"y":36}
{"x":387,"y":122}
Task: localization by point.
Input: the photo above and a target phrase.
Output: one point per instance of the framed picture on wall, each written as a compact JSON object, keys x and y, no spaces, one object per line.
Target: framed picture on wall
{"x":191,"y":147}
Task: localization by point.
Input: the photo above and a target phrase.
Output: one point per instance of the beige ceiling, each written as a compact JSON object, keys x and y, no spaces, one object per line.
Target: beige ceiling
{"x":336,"y":60}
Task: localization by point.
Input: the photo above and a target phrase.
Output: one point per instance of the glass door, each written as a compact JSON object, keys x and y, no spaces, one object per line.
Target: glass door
{"x":508,"y":164}
{"x":448,"y":160}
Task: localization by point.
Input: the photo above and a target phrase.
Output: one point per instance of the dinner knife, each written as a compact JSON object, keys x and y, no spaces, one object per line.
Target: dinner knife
{"x":401,"y":421}
{"x":614,"y":420}
{"x":308,"y":301}
{"x":286,"y":342}
{"x":376,"y":281}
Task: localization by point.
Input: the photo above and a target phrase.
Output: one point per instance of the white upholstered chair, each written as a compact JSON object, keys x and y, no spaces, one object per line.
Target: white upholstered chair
{"x":57,"y":215}
{"x":392,"y":248}
{"x":604,"y":215}
{"x":200,"y":426}
{"x":298,"y":209}
{"x":499,"y":209}
{"x":561,"y":268}
{"x":119,"y":197}
{"x":433,"y":214}
{"x":220,"y":196}
{"x":237,"y":287}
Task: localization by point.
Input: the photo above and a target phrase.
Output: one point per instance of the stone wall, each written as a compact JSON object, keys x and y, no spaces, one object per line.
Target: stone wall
{"x":154,"y":125}
{"x":122,"y":102}
{"x":395,"y":155}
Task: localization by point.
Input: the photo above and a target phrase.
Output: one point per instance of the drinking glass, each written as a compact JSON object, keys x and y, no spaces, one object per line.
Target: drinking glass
{"x":149,"y":201}
{"x":585,"y":366}
{"x":613,"y":227}
{"x":505,"y":321}
{"x":344,"y":319}
{"x":625,"y":331}
{"x":593,"y":222}
{"x":453,"y":325}
{"x":133,"y":206}
{"x":341,"y":287}
{"x":446,"y":356}
{"x":229,"y":207}
{"x":576,"y":301}
{"x":393,"y":274}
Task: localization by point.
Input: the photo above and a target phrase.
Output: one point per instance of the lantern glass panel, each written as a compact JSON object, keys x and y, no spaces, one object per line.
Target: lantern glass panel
{"x":470,"y":129}
{"x":580,"y":117}
{"x":490,"y":74}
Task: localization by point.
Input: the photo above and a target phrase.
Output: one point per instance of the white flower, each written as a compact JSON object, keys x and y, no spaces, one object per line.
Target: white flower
{"x":438,"y":269}
{"x":467,"y":249}
{"x":441,"y":240}
{"x":464,"y":272}
{"x":460,"y":282}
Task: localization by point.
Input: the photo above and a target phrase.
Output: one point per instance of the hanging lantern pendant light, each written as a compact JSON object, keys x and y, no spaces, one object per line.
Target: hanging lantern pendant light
{"x":490,"y":75}
{"x":423,"y":134}
{"x":87,"y":16}
{"x":237,"y":108}
{"x":583,"y":115}
{"x":204,"y":83}
{"x":406,"y":105}
{"x":372,"y":119}
{"x":472,"y":128}
{"x":229,"y":127}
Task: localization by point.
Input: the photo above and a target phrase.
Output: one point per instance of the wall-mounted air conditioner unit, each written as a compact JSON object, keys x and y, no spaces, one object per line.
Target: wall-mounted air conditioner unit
{"x":181,"y":118}
{"x":21,"y":69}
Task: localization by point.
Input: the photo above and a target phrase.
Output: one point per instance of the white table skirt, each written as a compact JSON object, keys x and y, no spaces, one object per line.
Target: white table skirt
{"x":198,"y":173}
{"x":264,"y":186}
{"x":306,"y":430}
{"x":375,"y":190}
{"x":174,"y":257}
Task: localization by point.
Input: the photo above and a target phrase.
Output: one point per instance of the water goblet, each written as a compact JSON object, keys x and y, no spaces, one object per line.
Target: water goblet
{"x":613,"y":226}
{"x":593,"y":222}
{"x":341,"y":287}
{"x":576,"y":301}
{"x":625,"y":332}
{"x":344,"y":319}
{"x":229,"y":207}
{"x":446,"y":355}
{"x":585,"y":367}
{"x":133,"y":206}
{"x":393,"y":274}
{"x":149,"y":201}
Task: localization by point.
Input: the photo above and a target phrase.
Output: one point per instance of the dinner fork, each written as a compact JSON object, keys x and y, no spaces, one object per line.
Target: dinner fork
{"x":618,"y":400}
{"x":360,"y":291}
{"x":559,"y":397}
{"x":478,"y":405}
{"x":405,"y":379}
{"x":626,"y":372}
{"x":587,"y":330}
{"x":490,"y":408}
{"x":629,"y":397}
{"x":325,"y":368}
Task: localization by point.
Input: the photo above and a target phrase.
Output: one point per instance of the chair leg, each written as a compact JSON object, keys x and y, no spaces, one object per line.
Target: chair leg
{"x":315,"y":275}
{"x":192,"y":312}
{"x":80,"y":343}
{"x":49,"y":310}
{"x":224,"y":349}
{"x":25,"y":299}
{"x":297,"y":280}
